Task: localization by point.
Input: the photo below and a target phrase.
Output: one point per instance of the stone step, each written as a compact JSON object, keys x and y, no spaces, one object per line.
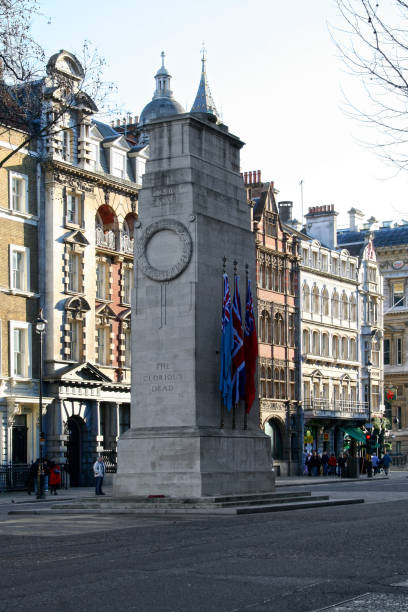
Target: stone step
{"x":117,"y":510}
{"x":283,"y":500}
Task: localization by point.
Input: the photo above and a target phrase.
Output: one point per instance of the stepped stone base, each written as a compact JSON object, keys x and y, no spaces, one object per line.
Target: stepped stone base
{"x":196,"y":463}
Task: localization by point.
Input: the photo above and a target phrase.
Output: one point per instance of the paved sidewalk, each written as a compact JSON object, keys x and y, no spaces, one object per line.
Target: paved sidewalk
{"x":22,"y":497}
{"x":308,"y":481}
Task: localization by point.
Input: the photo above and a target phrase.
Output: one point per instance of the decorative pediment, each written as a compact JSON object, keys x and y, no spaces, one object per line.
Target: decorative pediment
{"x":76,"y":304}
{"x":125,"y":315}
{"x":84,"y":372}
{"x":76,"y":237}
{"x":317,"y":373}
{"x":104,"y":314}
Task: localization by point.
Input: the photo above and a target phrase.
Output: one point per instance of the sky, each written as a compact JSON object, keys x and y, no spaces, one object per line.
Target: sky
{"x":275,"y":76}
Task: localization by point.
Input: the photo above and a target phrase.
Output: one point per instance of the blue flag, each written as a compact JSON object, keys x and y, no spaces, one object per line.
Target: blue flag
{"x":227,"y":344}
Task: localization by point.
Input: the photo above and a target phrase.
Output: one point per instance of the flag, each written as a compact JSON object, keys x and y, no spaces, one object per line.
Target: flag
{"x":238,"y":356}
{"x":227,"y":343}
{"x":251,"y":350}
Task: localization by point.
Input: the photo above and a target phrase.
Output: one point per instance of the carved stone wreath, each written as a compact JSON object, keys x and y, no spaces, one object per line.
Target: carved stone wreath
{"x":186,"y":249}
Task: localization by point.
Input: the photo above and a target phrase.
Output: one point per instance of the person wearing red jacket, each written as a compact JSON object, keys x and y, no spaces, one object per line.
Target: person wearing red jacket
{"x":332,"y":463}
{"x":55,"y":477}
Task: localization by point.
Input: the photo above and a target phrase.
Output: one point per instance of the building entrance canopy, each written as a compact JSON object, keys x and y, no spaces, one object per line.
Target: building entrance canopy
{"x":354,"y":432}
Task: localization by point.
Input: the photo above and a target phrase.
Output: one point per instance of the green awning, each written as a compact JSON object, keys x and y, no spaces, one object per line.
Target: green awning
{"x":354,"y":432}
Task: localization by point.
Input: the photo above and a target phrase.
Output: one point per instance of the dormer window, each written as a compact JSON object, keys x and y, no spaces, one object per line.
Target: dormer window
{"x":119,"y":164}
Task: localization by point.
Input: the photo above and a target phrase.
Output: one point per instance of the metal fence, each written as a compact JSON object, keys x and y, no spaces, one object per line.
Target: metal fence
{"x":14,"y":476}
{"x":110,"y":460}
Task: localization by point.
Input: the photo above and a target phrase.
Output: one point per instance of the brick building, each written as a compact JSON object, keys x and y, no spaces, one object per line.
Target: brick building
{"x":277,"y":289}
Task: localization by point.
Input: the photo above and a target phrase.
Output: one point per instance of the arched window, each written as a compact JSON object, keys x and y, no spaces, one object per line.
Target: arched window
{"x":291,"y":329}
{"x":335,"y":347}
{"x":126,"y":236}
{"x":315,"y":300}
{"x":344,"y":307}
{"x":265,"y":327}
{"x":315,"y":343}
{"x":344,"y":348}
{"x":262,"y":276}
{"x":335,"y":305}
{"x":106,"y":227}
{"x":306,"y":298}
{"x":281,"y":283}
{"x":306,"y":347}
{"x":353,"y":350}
{"x":273,"y":431}
{"x":268,"y":277}
{"x":353,"y":309}
{"x":278,"y":331}
{"x":325,"y":345}
{"x":325,"y":302}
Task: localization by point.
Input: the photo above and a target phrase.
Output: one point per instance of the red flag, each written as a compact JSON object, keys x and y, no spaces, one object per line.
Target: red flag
{"x":251,"y":350}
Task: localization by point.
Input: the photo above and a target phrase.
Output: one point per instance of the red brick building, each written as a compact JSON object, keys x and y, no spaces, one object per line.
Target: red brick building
{"x":277,"y":294}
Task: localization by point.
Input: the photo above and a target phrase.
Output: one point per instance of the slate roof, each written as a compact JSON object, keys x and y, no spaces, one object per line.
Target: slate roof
{"x":204,"y":102}
{"x":385,"y":236}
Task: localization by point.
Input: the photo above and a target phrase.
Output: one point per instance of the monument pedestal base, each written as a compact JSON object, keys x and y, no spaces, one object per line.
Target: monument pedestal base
{"x":193,"y":462}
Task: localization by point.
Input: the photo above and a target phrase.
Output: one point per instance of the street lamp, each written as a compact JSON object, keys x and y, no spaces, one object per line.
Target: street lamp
{"x":40,"y":325}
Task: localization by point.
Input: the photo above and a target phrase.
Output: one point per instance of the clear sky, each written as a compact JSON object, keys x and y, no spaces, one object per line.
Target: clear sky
{"x":274,"y":74}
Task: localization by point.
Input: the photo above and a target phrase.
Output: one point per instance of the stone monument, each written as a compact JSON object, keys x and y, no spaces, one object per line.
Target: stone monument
{"x":194,"y":224}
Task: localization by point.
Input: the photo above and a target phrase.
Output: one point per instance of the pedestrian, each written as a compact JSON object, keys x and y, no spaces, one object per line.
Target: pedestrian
{"x":314,"y":464}
{"x":369,"y":466}
{"x":375,"y":463}
{"x":332,"y":463}
{"x":99,"y":472}
{"x":325,"y":463}
{"x":341,"y":465}
{"x":46,"y":472}
{"x":386,"y":462}
{"x":54,"y":478}
{"x":32,"y":477}
{"x":307,"y":464}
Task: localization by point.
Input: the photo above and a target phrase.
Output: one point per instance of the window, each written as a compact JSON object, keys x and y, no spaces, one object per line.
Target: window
{"x":315,"y":259}
{"x":103,"y":345}
{"x":335,"y":265}
{"x":352,"y":271}
{"x":372,"y":310}
{"x":292,"y":385}
{"x":325,"y":345}
{"x":344,"y":307}
{"x":128,"y":346}
{"x":268,"y":284}
{"x":375,"y":353}
{"x":315,"y":300}
{"x":124,"y":418}
{"x":66,"y":145}
{"x":306,"y":347}
{"x":306,"y":298}
{"x":18,"y":192}
{"x":353,"y":350}
{"x":398,"y":351}
{"x":335,"y":305}
{"x":265,"y":327}
{"x":291,"y":329}
{"x":72,"y":208}
{"x":278,"y":331}
{"x":343,"y":269}
{"x":387,"y":351}
{"x":269,"y":391}
{"x":375,"y":396}
{"x":20,"y":349}
{"x":262,"y":276}
{"x":344,"y":348}
{"x":325,"y":302}
{"x":335,"y":347}
{"x":19,"y":268}
{"x":73,"y":271}
{"x":102,"y":285}
{"x":323,"y":259}
{"x":353,"y":309}
{"x":398,"y":291}
{"x":76,"y":340}
{"x":305,"y":256}
{"x":127,"y":285}
{"x":119,"y":164}
{"x":279,"y":383}
{"x":316,"y":343}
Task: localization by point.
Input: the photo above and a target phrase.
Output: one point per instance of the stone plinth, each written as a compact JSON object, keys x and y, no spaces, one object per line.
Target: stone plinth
{"x":193,"y":221}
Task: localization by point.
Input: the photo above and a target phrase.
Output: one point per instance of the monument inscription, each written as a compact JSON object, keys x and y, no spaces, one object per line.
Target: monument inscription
{"x":162,"y":379}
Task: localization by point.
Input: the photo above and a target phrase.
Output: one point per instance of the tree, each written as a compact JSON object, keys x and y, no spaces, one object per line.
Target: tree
{"x":27,"y":83}
{"x":374,"y":46}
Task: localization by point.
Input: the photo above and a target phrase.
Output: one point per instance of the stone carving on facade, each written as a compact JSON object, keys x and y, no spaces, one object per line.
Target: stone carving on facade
{"x":126,"y":242}
{"x":105,"y":238}
{"x":186,"y":249}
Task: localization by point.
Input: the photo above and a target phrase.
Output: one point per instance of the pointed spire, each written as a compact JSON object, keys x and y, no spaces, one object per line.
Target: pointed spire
{"x":204,"y":102}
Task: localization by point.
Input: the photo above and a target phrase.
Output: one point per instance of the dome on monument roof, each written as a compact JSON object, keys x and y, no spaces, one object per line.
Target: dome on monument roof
{"x":163,"y":103}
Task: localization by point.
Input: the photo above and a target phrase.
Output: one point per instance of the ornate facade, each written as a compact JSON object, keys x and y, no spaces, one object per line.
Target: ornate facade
{"x":277,"y":283}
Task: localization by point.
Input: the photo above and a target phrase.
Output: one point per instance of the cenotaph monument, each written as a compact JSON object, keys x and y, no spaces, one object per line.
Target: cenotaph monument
{"x":193,"y":225}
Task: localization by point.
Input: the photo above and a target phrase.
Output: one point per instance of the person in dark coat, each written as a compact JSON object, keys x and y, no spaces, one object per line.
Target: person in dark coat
{"x":341,"y":463}
{"x":325,"y":462}
{"x":32,"y":477}
{"x":315,"y":463}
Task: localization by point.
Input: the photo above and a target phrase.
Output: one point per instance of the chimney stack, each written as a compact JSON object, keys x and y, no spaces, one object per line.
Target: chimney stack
{"x":285,"y":211}
{"x":356,"y":219}
{"x":321,"y":223}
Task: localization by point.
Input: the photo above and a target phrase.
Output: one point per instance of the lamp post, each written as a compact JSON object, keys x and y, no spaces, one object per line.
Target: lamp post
{"x":40,"y":325}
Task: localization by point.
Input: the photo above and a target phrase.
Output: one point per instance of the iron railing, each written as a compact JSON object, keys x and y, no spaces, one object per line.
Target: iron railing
{"x":15,"y":476}
{"x":335,"y":406}
{"x":110,"y":460}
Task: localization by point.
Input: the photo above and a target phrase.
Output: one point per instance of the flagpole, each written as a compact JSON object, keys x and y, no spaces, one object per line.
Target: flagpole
{"x":245,"y":412}
{"x":234,"y":406}
{"x":224,"y":262}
